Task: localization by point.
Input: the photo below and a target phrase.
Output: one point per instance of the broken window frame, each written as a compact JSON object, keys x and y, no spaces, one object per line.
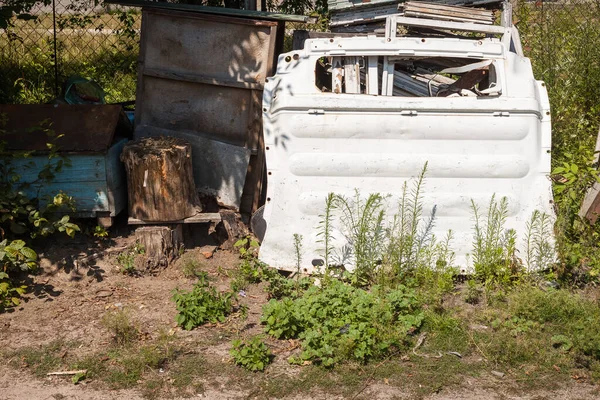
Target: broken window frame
{"x":370,"y":74}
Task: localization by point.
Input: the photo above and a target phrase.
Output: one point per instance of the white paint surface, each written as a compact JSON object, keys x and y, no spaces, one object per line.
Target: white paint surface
{"x":319,"y":143}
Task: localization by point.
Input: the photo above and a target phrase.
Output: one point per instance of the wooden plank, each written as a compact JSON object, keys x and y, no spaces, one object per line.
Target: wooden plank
{"x":351,"y":75}
{"x":590,"y":207}
{"x":298,"y":39}
{"x":454,"y":13}
{"x":507,"y":14}
{"x":372,"y":75}
{"x":253,"y":185}
{"x":201,"y":218}
{"x":456,"y":26}
{"x":445,"y":18}
{"x":84,"y":167}
{"x":387,"y":77}
{"x":88,"y":196}
{"x":197,"y":78}
{"x":415,"y":5}
{"x":362,"y":14}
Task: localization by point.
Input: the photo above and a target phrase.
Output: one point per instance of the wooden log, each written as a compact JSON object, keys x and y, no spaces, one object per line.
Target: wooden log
{"x":160,"y":181}
{"x":161,"y":244}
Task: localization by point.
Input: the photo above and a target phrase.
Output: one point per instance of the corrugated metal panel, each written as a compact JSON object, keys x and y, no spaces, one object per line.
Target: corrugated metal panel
{"x":319,"y":143}
{"x":201,"y":77}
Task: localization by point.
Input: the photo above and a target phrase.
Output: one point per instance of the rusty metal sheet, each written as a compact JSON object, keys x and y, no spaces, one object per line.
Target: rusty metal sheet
{"x":230,"y":50}
{"x":214,"y":112}
{"x":202,"y":76}
{"x":86,"y":128}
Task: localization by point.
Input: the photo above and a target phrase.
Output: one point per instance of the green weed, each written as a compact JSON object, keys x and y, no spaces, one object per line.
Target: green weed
{"x":203,"y":304}
{"x":252,"y":354}
{"x":340,"y":321}
{"x":192,"y":268}
{"x":126,"y":259}
{"x":364,"y":220}
{"x":40,"y":359}
{"x":540,"y":252}
{"x":122,"y":329}
{"x":494,"y":246}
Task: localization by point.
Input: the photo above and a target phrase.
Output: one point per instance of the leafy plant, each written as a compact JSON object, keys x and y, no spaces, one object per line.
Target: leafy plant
{"x":540,"y":251}
{"x":340,"y":321}
{"x":9,"y":294}
{"x":364,"y":221}
{"x":494,"y":246}
{"x":203,"y":304}
{"x":100,"y":232}
{"x":14,"y":257}
{"x":253,"y":354}
{"x":126,"y":259}
{"x":23,"y":218}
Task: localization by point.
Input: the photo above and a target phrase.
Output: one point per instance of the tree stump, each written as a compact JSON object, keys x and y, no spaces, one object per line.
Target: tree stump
{"x":160,"y":180}
{"x":161,"y":244}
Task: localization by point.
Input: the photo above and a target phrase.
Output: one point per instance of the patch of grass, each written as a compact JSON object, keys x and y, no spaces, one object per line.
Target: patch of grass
{"x":122,"y":329}
{"x":40,"y":359}
{"x":192,"y":268}
{"x":128,"y":366}
{"x":187,"y":373}
{"x":94,"y":364}
{"x":446,"y":332}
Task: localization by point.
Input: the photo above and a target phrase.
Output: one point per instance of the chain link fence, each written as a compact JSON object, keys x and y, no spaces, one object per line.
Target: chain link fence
{"x":60,"y":38}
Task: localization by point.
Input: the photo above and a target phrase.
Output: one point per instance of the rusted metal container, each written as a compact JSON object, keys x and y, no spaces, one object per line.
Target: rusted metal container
{"x":201,"y":78}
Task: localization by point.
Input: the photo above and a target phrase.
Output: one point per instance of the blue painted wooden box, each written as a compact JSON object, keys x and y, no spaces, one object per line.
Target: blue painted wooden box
{"x":94,"y":136}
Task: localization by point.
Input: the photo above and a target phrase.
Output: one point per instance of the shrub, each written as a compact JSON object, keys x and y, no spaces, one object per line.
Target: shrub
{"x":203,"y":304}
{"x":340,"y":321}
{"x":253,"y":354}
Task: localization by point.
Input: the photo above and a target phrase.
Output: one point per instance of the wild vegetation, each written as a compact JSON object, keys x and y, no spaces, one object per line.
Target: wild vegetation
{"x":403,"y":311}
{"x":24,"y":218}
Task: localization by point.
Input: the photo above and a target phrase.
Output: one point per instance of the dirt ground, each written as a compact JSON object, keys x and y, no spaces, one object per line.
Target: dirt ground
{"x":69,"y":301}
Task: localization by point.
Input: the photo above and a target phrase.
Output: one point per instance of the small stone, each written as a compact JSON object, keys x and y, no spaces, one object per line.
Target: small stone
{"x":498,"y":374}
